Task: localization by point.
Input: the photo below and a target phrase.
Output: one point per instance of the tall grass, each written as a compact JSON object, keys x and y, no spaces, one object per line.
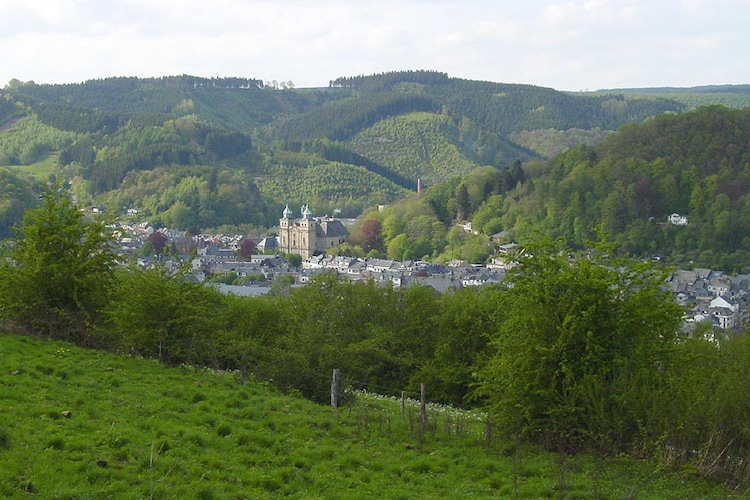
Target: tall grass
{"x":136,"y":429}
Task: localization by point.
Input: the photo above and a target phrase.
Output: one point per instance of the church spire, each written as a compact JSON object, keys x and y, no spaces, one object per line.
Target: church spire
{"x":287,"y":214}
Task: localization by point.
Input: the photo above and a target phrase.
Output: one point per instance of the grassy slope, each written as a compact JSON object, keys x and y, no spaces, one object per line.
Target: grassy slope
{"x":43,"y":168}
{"x":140,"y":430}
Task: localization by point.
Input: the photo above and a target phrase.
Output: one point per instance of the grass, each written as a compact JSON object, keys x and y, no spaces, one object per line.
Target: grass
{"x":139,"y":430}
{"x":43,"y":168}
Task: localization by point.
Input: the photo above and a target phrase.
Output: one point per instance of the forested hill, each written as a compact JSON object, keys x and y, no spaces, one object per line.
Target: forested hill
{"x":695,"y":164}
{"x":246,"y":103}
{"x":193,"y":152}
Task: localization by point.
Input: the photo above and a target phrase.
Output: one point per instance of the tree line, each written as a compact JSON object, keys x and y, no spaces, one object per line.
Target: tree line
{"x":574,"y":353}
{"x":696,"y":164}
{"x":431,"y":226}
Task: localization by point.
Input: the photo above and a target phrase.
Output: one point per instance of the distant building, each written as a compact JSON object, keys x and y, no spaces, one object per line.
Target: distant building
{"x":268,"y":244}
{"x":308,"y":236}
{"x":678,"y":219}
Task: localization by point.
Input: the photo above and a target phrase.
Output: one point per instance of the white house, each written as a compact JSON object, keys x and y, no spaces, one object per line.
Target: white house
{"x":678,"y":219}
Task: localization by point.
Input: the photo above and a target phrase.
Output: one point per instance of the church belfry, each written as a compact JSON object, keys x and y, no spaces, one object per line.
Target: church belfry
{"x":308,"y":236}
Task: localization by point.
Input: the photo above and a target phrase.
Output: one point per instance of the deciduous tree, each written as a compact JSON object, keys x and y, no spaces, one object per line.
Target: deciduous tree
{"x":574,"y":337}
{"x":59,"y":272}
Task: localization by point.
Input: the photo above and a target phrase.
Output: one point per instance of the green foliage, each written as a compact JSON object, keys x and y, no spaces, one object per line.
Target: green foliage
{"x":729,"y":96}
{"x":105,"y":129}
{"x":29,"y":139}
{"x":179,"y":148}
{"x":694,"y":164}
{"x":574,"y":338}
{"x":488,"y":217}
{"x":573,"y":354}
{"x":294,"y":259}
{"x":329,"y":186}
{"x":166,"y":318}
{"x":392,"y":79}
{"x":16,"y":196}
{"x":415,"y":145}
{"x":198,"y":197}
{"x":59,"y":270}
{"x":226,"y":278}
{"x":704,"y":405}
{"x":343,"y":119}
{"x":461,"y":245}
{"x":423,"y":227}
{"x":507,"y":108}
{"x":458,"y":323}
{"x":550,"y":142}
{"x":9,"y":110}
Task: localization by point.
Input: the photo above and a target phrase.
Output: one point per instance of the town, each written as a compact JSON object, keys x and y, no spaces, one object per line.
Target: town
{"x":710,"y":298}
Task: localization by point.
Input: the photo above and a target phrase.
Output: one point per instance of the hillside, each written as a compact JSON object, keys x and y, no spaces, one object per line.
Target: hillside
{"x":730,"y":96}
{"x":568,"y":355}
{"x":106,"y":134}
{"x":85,"y":424}
{"x":695,"y":164}
{"x":198,"y":153}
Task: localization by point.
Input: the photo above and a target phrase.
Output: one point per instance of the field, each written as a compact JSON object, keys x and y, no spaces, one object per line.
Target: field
{"x":41,"y":169}
{"x":76,"y":423}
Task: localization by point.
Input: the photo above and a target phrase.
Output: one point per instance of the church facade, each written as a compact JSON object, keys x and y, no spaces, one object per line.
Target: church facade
{"x":307,"y":235}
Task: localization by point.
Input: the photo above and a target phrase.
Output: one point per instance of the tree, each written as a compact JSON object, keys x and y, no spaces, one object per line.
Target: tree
{"x":574,"y":338}
{"x":281,"y":285}
{"x":294,"y":259}
{"x":458,"y":323}
{"x":462,"y":202}
{"x":158,"y":241}
{"x":164,"y":317}
{"x":247,"y":249}
{"x":60,"y":271}
{"x":398,"y":247}
{"x":368,"y":237}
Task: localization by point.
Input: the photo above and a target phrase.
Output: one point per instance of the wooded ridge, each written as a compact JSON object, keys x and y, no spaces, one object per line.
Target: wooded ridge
{"x":197,"y":153}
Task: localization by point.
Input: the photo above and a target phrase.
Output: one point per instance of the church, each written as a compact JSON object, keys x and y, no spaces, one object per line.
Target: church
{"x":308,"y":236}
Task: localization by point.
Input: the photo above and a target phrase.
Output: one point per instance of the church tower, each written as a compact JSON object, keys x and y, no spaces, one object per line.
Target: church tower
{"x":307,"y":235}
{"x":306,"y":243}
{"x":286,"y":224}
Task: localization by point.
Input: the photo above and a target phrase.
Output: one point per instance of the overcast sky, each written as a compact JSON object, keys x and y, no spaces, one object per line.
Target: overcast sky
{"x":566,"y":45}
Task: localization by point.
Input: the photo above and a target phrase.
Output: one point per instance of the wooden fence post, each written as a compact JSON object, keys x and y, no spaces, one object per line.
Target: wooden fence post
{"x":243,"y":377}
{"x":336,"y":388}
{"x":403,"y":405}
{"x":423,"y":406}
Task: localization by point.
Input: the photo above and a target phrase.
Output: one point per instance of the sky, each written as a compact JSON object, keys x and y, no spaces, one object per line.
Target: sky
{"x":566,"y":45}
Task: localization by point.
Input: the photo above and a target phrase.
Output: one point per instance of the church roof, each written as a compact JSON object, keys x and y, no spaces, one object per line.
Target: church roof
{"x":331,"y":228}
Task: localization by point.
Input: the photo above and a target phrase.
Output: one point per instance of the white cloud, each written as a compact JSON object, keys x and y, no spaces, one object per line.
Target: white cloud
{"x":568,"y":44}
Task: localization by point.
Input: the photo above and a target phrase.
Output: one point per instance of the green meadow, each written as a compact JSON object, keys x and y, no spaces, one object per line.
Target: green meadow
{"x":77,"y":423}
{"x":42,"y":169}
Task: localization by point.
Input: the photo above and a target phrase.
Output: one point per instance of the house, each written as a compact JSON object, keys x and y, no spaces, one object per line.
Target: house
{"x":719,"y":285}
{"x":724,"y":317}
{"x":268,"y":244}
{"x":678,"y":219}
{"x":724,"y":302}
{"x":380,"y":265}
